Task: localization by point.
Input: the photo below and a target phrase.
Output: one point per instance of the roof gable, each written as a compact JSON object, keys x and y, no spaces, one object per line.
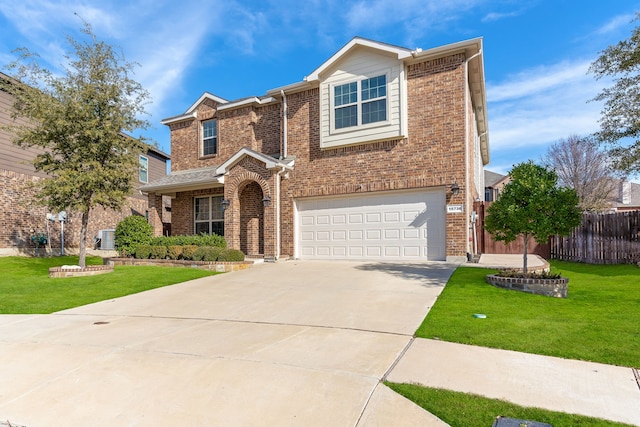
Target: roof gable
{"x":355,"y":43}
{"x":270,"y":162}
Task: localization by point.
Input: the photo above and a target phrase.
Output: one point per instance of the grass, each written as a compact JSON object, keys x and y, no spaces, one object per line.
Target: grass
{"x":598,"y":321}
{"x":27,"y":289}
{"x":462,"y":410}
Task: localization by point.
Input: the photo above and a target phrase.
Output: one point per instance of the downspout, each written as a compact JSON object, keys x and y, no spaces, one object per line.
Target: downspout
{"x":280,"y":172}
{"x":466,"y":137}
{"x":285,"y":112}
{"x":278,"y":196}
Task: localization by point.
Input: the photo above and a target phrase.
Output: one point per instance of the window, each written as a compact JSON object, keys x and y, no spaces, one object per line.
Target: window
{"x":208,"y":215}
{"x":143,"y":169}
{"x":209,"y":137}
{"x":360,"y":103}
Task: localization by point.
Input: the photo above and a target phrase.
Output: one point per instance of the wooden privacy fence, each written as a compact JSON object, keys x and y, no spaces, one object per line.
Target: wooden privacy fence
{"x":612,"y":238}
{"x":486,"y":244}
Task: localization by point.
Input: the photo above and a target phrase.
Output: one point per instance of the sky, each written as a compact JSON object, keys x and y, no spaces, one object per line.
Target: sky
{"x":536,"y":53}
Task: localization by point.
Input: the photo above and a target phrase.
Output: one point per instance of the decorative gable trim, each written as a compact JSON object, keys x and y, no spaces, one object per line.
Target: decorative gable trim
{"x":191,"y":112}
{"x":270,"y":162}
{"x":399,"y":53}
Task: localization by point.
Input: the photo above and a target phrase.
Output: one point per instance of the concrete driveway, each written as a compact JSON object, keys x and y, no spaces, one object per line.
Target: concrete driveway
{"x":288,"y":344}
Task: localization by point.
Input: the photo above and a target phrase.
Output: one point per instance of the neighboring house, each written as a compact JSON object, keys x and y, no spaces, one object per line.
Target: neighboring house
{"x":377,"y":154}
{"x":493,"y":185}
{"x":21,"y":218}
{"x":627,"y":197}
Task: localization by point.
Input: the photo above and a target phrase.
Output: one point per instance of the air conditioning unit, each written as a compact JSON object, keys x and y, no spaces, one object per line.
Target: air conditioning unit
{"x":107,"y":239}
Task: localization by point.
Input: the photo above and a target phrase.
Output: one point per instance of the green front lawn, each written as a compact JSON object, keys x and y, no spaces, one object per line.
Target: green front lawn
{"x":463,"y":410}
{"x":25,"y":286}
{"x":597,"y":322}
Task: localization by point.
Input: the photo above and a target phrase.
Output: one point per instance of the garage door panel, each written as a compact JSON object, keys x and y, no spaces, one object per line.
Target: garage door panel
{"x":374,"y":234}
{"x":356,"y":219}
{"x":339,"y":235}
{"x":373,"y":217}
{"x":306,"y":220}
{"x":392,"y":217}
{"x":339,"y":251}
{"x":339,"y":219}
{"x":374,"y":251}
{"x":392,"y":234}
{"x":389,"y":225}
{"x":355,"y":234}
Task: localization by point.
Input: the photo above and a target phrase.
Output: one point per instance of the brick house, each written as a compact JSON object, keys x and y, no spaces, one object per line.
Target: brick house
{"x":21,"y":217}
{"x":377,"y":154}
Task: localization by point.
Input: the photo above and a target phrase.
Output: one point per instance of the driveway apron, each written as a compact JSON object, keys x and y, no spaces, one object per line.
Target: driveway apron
{"x":290,"y":344}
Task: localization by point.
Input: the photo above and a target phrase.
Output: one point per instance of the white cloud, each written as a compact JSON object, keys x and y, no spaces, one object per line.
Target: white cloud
{"x":542,"y":105}
{"x":615,"y":23}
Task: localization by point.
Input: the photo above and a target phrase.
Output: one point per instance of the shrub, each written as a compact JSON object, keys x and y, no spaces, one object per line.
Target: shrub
{"x":158,"y":252}
{"x":211,"y":240}
{"x":143,"y":252}
{"x":207,"y":253}
{"x":231,"y":255}
{"x":197,"y":240}
{"x":174,"y":251}
{"x":188,"y":252}
{"x":132,"y":231}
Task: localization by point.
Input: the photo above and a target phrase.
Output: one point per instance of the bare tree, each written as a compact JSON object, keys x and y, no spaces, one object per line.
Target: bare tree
{"x":580,"y":164}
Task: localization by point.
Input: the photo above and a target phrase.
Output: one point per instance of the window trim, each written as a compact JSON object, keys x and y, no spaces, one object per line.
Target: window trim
{"x":359,"y":103}
{"x":210,"y":220}
{"x":203,"y":139}
{"x":140,"y":168}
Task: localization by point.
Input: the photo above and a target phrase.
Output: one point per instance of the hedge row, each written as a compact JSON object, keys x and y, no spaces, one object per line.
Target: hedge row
{"x":188,"y":252}
{"x":196,"y":240}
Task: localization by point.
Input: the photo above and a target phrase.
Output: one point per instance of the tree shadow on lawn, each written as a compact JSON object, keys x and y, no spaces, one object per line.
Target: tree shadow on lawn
{"x":429,"y":274}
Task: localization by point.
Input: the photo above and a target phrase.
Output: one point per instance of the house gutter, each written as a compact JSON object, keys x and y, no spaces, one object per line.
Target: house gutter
{"x":284,"y":124}
{"x":466,"y":154}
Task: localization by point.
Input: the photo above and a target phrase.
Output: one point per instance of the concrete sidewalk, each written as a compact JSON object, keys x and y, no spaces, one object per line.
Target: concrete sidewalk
{"x":592,"y":389}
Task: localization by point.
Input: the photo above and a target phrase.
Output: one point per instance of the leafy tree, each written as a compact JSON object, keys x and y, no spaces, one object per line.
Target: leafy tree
{"x":619,"y":121}
{"x":78,"y":119}
{"x":580,"y":164}
{"x":532,"y":205}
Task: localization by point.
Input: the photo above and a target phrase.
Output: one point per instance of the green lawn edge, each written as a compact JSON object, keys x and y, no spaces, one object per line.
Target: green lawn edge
{"x":26,"y":287}
{"x":597,"y":322}
{"x":462,"y":410}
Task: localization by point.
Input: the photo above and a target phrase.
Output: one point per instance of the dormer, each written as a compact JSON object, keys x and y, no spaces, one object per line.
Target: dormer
{"x":363,"y":94}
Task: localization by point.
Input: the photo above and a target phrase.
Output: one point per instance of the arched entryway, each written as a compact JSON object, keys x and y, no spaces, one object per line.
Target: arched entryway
{"x":251,"y":219}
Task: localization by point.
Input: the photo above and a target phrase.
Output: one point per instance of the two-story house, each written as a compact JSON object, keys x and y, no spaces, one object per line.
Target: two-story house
{"x":377,"y":154}
{"x":21,"y":217}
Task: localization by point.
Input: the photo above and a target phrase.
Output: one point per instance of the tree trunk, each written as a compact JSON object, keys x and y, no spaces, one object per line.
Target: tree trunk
{"x":82,"y":261}
{"x":524,"y":258}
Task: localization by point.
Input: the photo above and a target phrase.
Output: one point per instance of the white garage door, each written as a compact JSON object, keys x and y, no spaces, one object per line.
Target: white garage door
{"x":397,"y":225}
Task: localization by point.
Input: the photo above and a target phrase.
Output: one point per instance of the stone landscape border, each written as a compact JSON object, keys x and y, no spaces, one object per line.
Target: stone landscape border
{"x":557,"y":288}
{"x":77,"y":271}
{"x":218,"y":266}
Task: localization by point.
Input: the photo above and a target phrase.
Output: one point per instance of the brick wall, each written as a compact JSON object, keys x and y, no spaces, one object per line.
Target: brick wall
{"x":20,"y":214}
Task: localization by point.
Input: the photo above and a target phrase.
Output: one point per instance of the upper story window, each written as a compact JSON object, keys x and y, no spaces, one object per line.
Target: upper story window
{"x":360,"y":103}
{"x":209,"y":137}
{"x":143,"y":169}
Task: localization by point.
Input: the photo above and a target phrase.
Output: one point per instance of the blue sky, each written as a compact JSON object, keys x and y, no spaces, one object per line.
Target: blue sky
{"x":536,"y":52}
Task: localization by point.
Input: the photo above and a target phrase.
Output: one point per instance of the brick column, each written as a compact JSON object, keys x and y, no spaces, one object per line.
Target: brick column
{"x":155,"y":213}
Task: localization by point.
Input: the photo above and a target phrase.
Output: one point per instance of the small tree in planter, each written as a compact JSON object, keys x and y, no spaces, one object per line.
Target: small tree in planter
{"x":532,"y":205}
